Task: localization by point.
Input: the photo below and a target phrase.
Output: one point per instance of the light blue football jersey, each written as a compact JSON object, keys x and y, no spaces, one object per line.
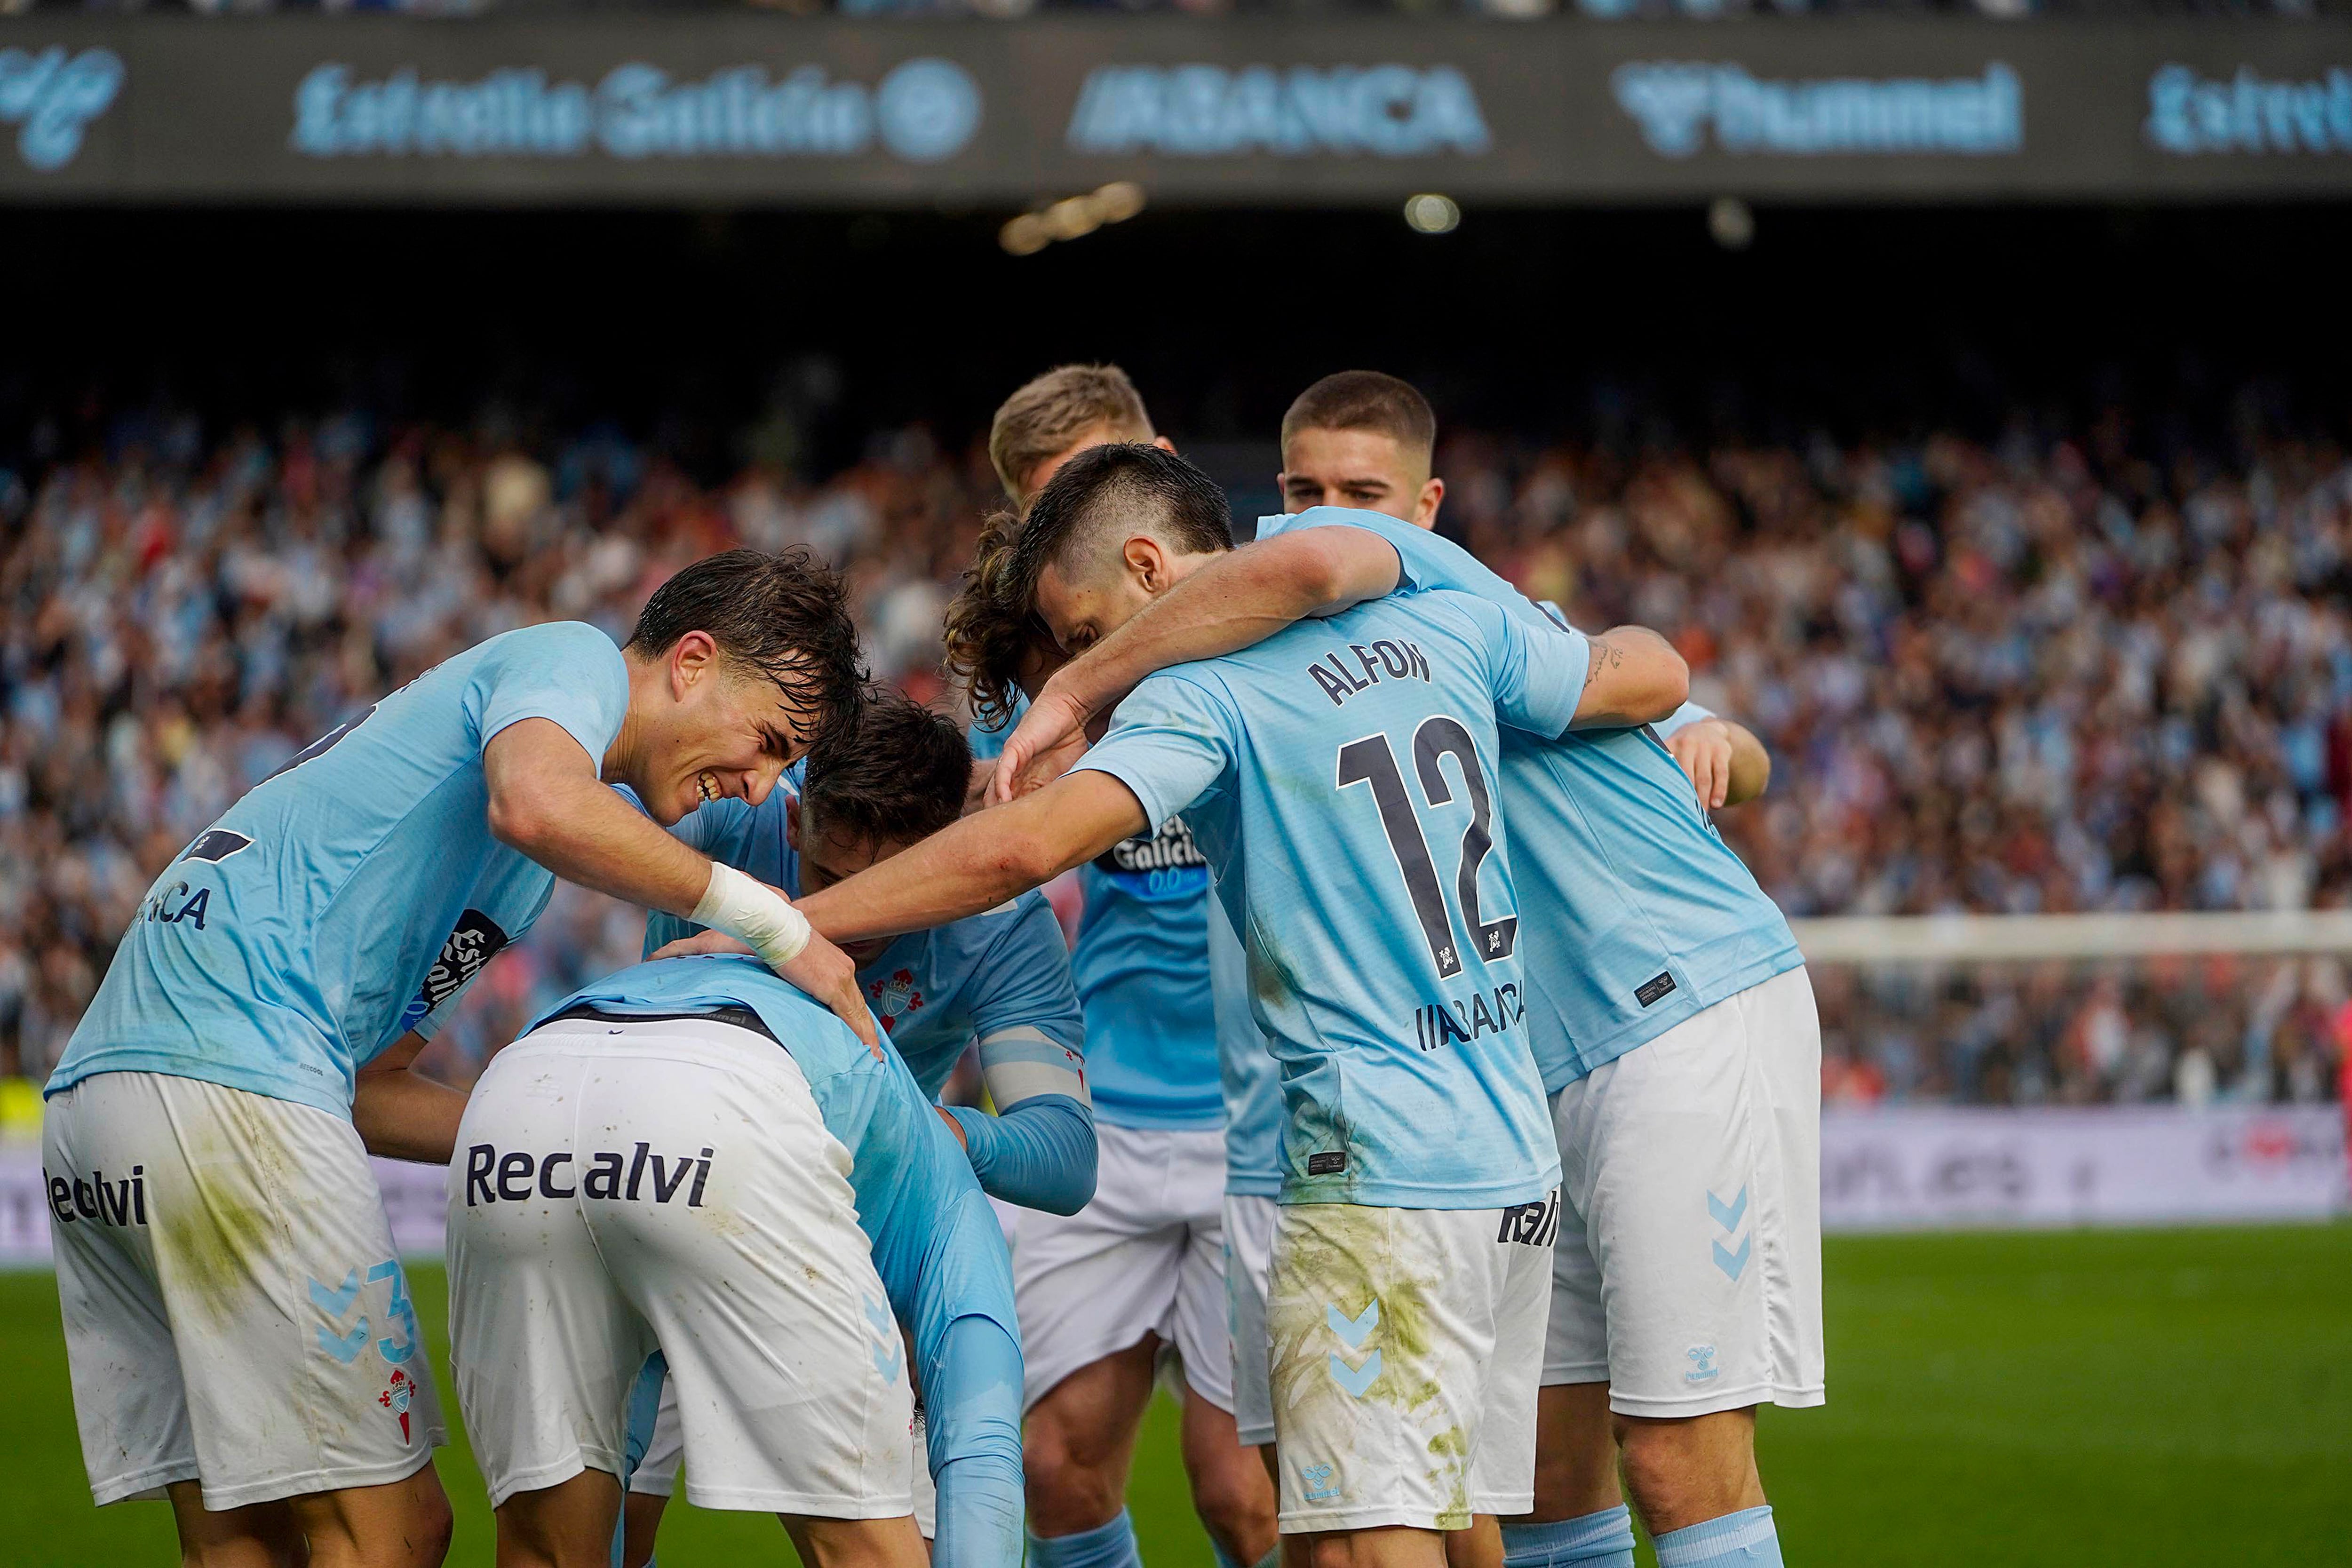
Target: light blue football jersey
{"x":1003,"y":975}
{"x":1638,"y":914}
{"x":1141,"y":967}
{"x":346,"y":898}
{"x":1251,"y":1081}
{"x":1339,"y":777}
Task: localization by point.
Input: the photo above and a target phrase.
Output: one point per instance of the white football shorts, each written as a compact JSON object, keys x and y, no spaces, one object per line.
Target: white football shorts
{"x":657,"y":1474}
{"x":1688,"y":1274}
{"x":234,"y":1314}
{"x":1249,"y":1256}
{"x":1406,"y":1348}
{"x":623,"y":1188}
{"x":1146,"y":1257}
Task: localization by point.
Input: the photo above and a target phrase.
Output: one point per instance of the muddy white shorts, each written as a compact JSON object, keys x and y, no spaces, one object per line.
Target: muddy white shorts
{"x":234,"y":1311}
{"x":657,"y":1474}
{"x":1688,"y":1274}
{"x":1146,"y":1257}
{"x":1406,"y":1348}
{"x":623,"y":1188}
{"x":1249,"y":1256}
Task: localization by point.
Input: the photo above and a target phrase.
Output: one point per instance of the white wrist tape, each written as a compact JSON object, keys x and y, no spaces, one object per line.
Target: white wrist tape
{"x":752,"y":912}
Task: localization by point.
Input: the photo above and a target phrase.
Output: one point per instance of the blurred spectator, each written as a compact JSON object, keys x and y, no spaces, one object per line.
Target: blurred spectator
{"x":2045,"y":674}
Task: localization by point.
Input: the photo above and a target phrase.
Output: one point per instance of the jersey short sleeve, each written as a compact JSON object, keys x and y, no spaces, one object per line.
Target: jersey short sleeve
{"x":566,"y":671}
{"x":1535,"y":672}
{"x":1173,"y":741}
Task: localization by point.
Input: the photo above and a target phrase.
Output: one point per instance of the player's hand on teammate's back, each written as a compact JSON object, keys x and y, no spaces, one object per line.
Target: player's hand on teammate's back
{"x":829,"y":974}
{"x":701,"y":943}
{"x":1704,"y":748}
{"x":1050,"y":738}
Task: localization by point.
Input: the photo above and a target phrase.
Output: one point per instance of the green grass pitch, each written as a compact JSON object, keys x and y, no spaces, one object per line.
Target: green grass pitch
{"x":2064,"y":1399}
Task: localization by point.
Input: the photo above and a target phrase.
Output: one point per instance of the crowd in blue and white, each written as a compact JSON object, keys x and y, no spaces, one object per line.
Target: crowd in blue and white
{"x":2047,"y":672}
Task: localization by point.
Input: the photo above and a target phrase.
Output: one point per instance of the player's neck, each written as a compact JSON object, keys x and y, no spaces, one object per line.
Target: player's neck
{"x":624,"y":758}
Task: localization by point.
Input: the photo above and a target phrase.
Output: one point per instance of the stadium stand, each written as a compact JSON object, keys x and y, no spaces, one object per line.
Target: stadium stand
{"x":2053,"y":672}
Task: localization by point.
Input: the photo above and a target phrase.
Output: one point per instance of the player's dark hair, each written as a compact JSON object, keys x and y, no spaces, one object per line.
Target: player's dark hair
{"x":1365,"y":400}
{"x":990,"y":638}
{"x":1127,"y":485}
{"x":784,"y":615}
{"x":896,"y":772}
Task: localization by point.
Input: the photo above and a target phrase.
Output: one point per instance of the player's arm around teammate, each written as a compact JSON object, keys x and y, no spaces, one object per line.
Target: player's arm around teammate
{"x":245,"y":1264}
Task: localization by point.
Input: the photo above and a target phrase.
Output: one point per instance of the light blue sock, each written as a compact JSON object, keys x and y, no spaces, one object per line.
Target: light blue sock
{"x":1603,"y":1539}
{"x":1742,"y":1540}
{"x":1225,"y":1559}
{"x":1109,"y":1545}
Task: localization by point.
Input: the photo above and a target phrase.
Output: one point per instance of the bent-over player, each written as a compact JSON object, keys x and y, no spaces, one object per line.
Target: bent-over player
{"x":690,"y":1157}
{"x":251,"y":1041}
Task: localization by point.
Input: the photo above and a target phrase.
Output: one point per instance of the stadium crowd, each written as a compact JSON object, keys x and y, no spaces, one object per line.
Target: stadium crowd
{"x":2045,"y":673}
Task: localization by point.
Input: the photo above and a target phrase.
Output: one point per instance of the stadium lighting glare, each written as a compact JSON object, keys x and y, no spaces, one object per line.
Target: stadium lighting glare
{"x":1072,"y":217}
{"x":1731,"y":222}
{"x":1429,"y":213}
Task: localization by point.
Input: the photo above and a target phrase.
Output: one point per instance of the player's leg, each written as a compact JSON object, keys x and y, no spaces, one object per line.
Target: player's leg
{"x":739,"y":1245}
{"x":1230,"y":1489}
{"x":1395,"y":1332}
{"x":1097,"y":1295}
{"x":543,"y":1347}
{"x":856,"y":1543}
{"x":237,"y":1245}
{"x":652,"y":1482}
{"x":566,"y":1525}
{"x":1579,"y":1518}
{"x":1701,"y":1156}
{"x":1078,"y":1444}
{"x":259,"y":1535}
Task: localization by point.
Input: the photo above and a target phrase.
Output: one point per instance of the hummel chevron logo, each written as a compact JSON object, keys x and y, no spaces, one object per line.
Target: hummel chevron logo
{"x":345,"y":1348}
{"x":1353,"y":1331}
{"x":335,"y":1303}
{"x":885,"y":1361}
{"x":1729,"y":1215}
{"x":1732,"y":1263}
{"x":1354,"y":1379}
{"x":880,"y":1316}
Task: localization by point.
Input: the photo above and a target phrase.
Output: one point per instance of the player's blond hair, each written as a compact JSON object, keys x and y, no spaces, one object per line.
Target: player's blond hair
{"x":1048,"y":414}
{"x":1366,"y":400}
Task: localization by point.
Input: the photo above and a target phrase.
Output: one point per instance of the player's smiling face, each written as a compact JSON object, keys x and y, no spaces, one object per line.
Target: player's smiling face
{"x":1362,"y":469}
{"x":726,"y":734}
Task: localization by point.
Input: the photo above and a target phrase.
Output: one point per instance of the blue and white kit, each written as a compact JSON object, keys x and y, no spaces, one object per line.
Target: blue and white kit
{"x":1675,"y":1031}
{"x":1337,"y":776}
{"x":248,"y":1266}
{"x":717,"y":1170}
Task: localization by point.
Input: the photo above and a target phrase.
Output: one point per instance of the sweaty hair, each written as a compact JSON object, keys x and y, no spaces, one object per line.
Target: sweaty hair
{"x":991,"y":637}
{"x":1365,"y":400}
{"x":896,"y":772}
{"x":1126,"y":488}
{"x":1041,"y":419}
{"x":784,"y":616}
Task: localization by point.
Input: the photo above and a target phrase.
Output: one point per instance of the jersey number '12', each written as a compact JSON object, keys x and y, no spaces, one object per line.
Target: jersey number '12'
{"x":1372,"y":761}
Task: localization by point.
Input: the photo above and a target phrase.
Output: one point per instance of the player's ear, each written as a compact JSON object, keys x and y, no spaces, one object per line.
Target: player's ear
{"x":1432,"y":495}
{"x":1147,"y":562}
{"x":692,"y":657}
{"x":792,"y":823}
{"x":1164,"y":444}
